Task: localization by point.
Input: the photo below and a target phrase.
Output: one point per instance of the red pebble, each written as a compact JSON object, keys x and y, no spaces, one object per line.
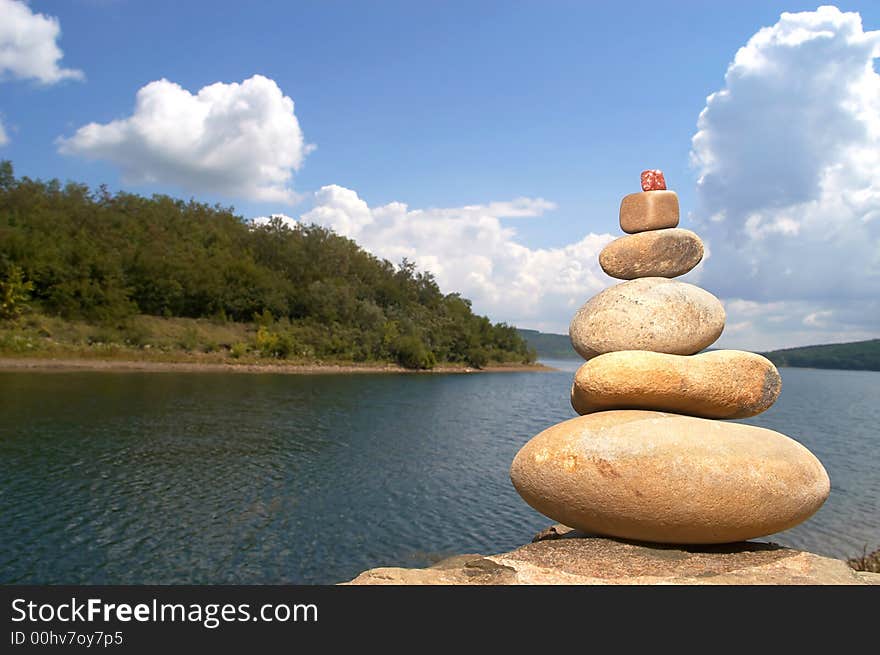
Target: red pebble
{"x":653,"y":181}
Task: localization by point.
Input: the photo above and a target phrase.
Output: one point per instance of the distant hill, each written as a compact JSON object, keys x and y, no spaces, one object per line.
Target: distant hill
{"x":549,"y":345}
{"x":856,"y":355}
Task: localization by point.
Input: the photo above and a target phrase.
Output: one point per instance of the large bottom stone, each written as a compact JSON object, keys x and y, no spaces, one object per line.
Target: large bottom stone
{"x":575,"y":558}
{"x":668,"y":478}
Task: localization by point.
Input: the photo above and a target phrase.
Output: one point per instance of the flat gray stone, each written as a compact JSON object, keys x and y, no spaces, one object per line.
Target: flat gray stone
{"x":575,"y":558}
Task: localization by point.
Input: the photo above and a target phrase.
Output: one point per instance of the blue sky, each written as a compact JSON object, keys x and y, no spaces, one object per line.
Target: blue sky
{"x":457,"y":109}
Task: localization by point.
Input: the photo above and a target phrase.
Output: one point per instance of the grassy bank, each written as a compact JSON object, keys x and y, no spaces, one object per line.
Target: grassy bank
{"x":201,"y":344}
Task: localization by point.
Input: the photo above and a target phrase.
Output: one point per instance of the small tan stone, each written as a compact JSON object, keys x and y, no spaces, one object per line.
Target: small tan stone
{"x":668,"y":478}
{"x":658,"y":253}
{"x":650,"y":313}
{"x":723,"y":384}
{"x":648,"y":210}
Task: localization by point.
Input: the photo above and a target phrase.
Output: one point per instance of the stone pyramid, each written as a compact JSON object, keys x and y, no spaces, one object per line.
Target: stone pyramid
{"x":649,"y":459}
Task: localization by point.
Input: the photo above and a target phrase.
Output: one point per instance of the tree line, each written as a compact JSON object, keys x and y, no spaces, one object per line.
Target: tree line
{"x":856,"y":355}
{"x":103,"y":257}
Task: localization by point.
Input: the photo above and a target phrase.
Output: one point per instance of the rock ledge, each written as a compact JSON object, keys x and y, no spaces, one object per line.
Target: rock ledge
{"x":561,"y":556}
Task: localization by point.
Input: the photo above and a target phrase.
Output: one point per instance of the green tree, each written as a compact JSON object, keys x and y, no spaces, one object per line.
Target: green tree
{"x":14,"y":293}
{"x":477,"y":357}
{"x":412,"y":353}
{"x":104,"y":257}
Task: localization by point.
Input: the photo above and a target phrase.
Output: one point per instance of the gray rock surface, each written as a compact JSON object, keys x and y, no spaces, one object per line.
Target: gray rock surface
{"x":573,"y":558}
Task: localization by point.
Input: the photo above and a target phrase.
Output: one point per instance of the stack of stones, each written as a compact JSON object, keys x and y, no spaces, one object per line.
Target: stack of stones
{"x":648,"y":458}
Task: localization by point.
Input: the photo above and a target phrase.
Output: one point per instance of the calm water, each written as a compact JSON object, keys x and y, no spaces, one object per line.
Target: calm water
{"x":117,"y":478}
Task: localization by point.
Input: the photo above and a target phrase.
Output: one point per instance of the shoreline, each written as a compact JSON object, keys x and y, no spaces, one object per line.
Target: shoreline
{"x":66,"y":364}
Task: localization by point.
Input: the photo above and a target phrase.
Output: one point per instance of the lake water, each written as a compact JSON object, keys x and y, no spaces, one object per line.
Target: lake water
{"x":211,"y":478}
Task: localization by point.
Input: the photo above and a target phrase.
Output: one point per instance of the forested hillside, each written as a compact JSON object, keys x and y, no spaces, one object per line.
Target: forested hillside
{"x":100,"y":258}
{"x":856,"y":355}
{"x":549,"y":345}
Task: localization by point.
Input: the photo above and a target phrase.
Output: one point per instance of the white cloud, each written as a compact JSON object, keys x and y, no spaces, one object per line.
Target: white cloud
{"x":238,"y":140}
{"x":783,"y":324}
{"x":28,"y":45}
{"x":516,"y":208}
{"x":4,"y":139}
{"x":469,"y":251}
{"x":788,"y":196}
{"x":284,"y":218}
{"x":818,"y":319}
{"x":342,"y":210}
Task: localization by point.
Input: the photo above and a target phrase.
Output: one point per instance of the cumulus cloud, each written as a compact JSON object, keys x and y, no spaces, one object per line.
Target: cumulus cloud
{"x":788,"y":195}
{"x":239,"y":140}
{"x":818,"y":319}
{"x":516,"y":208}
{"x":284,"y":218}
{"x":4,"y":139}
{"x":28,"y":45}
{"x":783,"y":324}
{"x":469,"y":250}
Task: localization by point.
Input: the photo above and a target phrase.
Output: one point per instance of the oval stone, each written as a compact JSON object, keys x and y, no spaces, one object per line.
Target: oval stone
{"x":650,"y":313}
{"x":658,"y":253}
{"x":649,"y":210}
{"x":667,"y":478}
{"x":719,"y":384}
